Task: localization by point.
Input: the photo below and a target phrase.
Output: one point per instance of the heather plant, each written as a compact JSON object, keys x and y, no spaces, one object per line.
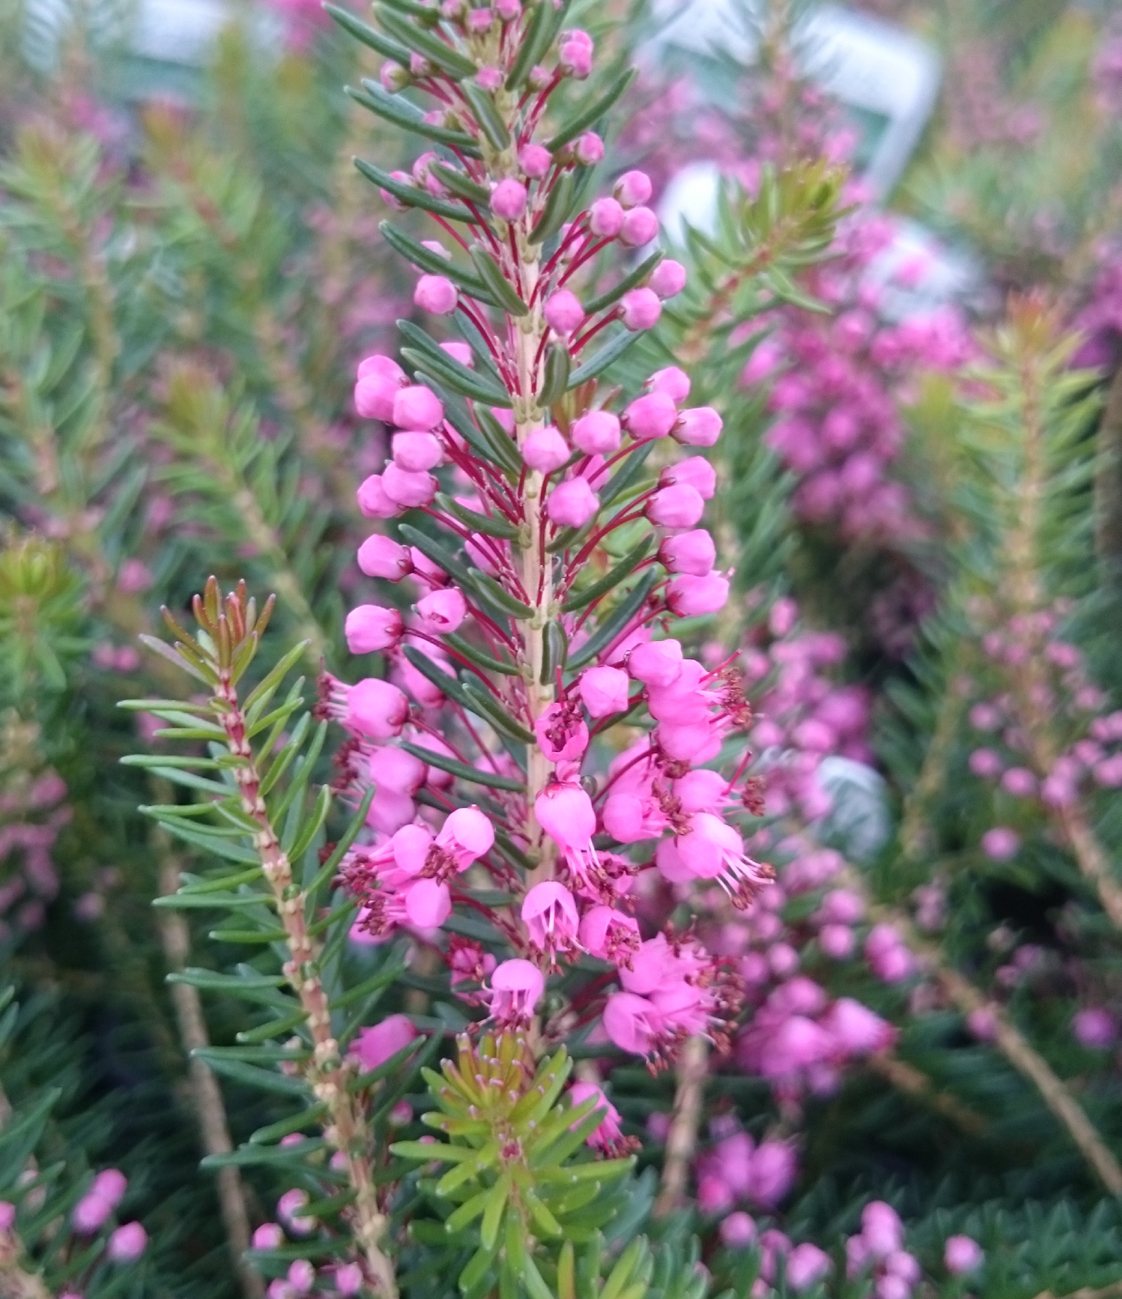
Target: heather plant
{"x":607,"y":928}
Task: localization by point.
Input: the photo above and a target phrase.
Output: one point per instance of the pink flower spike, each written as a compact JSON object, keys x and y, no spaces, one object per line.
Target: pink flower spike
{"x":694,"y":597}
{"x":127,"y":1243}
{"x":370,"y":628}
{"x":443,"y":611}
{"x":563,"y":312}
{"x":374,"y":1046}
{"x":382,"y":557}
{"x":516,"y":989}
{"x":417,"y":408}
{"x":544,"y":449}
{"x":509,"y":199}
{"x":550,"y":916}
{"x":604,"y":691}
{"x":435,"y":293}
{"x":416,"y":452}
{"x":633,"y":188}
{"x":640,"y":309}
{"x":572,"y":504}
{"x":597,"y":433}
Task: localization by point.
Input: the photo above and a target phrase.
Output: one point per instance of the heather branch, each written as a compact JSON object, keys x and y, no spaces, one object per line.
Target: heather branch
{"x":681,"y":1142}
{"x":329,"y":1073}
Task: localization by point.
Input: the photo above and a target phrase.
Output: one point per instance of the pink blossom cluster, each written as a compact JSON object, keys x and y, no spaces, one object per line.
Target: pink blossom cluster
{"x":836,"y":389}
{"x":1106,"y":72}
{"x":1007,"y":753}
{"x":125,"y":1243}
{"x":516,"y":636}
{"x":303,"y":1278}
{"x":802,"y":715}
{"x":32,"y":815}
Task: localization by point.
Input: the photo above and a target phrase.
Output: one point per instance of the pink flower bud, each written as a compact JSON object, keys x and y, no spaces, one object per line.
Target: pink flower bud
{"x":588,"y":149}
{"x":688,"y":552}
{"x":406,"y":488}
{"x":301,"y":1276}
{"x":428,"y":903}
{"x":381,"y":556}
{"x":416,"y":452}
{"x":672,"y":381}
{"x":417,"y":408}
{"x":856,"y":1029}
{"x":379,"y":379}
{"x":700,"y":426}
{"x":373,"y":501}
{"x":738,"y":1231}
{"x":1095,"y":1028}
{"x":882,"y":1229}
{"x":633,"y":188}
{"x":435,"y":293}
{"x":1001,"y":843}
{"x":374,"y":1046}
{"x":962,"y":1255}
{"x":348,"y":1278}
{"x":836,"y":941}
{"x":597,"y":433}
{"x":127,"y":1243}
{"x":574,"y":53}
{"x":535,"y":160}
{"x":376,"y":709}
{"x":270,"y":1235}
{"x":668,"y":278}
{"x":443,"y":611}
{"x":658,"y":663}
{"x":572,"y":504}
{"x":695,"y":472}
{"x":692,"y":597}
{"x":545,"y":450}
{"x":459,"y":351}
{"x":603,"y":691}
{"x":516,"y":988}
{"x":509,"y":199}
{"x":806,"y":1266}
{"x":91,"y":1213}
{"x":677,"y":506}
{"x":650,"y":416}
{"x":640,"y":309}
{"x":563,"y":311}
{"x":639,"y":227}
{"x":370,"y":628}
{"x":110,"y":1185}
{"x":290,"y":1211}
{"x":605,"y":218}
